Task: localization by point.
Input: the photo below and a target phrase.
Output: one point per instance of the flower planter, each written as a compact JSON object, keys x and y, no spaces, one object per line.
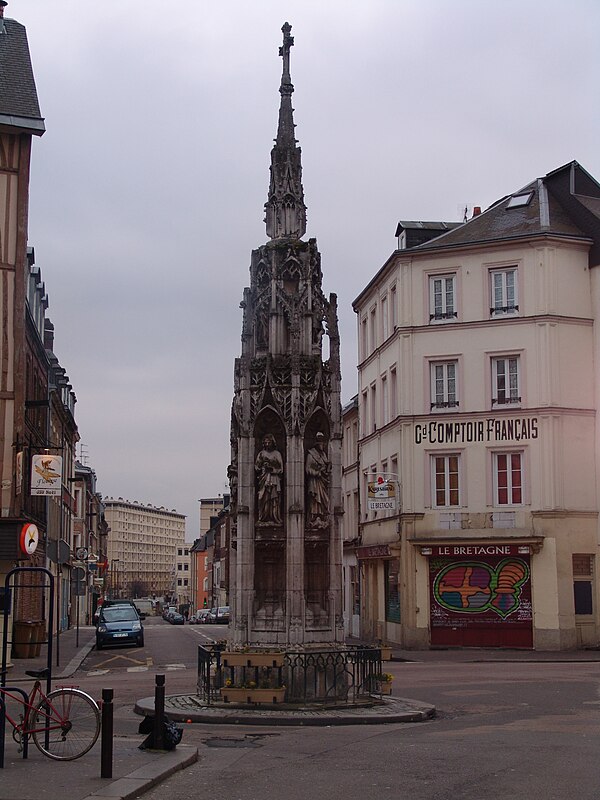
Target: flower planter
{"x":252,"y":659}
{"x":385,"y":688}
{"x":386,"y":653}
{"x":235,"y":695}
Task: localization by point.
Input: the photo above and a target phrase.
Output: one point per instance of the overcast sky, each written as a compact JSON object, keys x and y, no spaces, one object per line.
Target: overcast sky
{"x":147,"y":190}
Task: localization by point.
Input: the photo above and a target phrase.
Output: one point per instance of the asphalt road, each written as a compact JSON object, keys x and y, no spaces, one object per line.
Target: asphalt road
{"x":503,"y":730}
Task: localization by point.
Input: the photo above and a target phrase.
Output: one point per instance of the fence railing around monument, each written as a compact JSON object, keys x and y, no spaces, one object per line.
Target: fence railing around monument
{"x":347,"y":675}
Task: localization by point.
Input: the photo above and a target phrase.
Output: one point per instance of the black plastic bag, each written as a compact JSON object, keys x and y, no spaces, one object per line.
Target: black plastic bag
{"x":172,"y":734}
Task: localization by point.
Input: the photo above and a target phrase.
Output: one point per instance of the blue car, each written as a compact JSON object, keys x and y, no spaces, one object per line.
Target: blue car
{"x":119,"y":625}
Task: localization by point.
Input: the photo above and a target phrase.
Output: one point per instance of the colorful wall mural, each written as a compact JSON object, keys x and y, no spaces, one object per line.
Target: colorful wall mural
{"x":483,"y":601}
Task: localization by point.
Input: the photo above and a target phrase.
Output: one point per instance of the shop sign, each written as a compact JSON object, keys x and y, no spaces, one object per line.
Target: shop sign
{"x":477,"y":430}
{"x":19,"y":475}
{"x":462,"y":550}
{"x":374,"y":551}
{"x":381,"y":494}
{"x":46,"y":475}
{"x":29,"y":538}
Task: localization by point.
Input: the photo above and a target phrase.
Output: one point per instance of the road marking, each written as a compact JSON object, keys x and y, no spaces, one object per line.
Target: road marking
{"x":124,"y":658}
{"x":175,"y":666}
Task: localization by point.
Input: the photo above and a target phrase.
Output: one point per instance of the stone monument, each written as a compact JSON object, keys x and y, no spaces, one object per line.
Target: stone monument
{"x":286,"y":432}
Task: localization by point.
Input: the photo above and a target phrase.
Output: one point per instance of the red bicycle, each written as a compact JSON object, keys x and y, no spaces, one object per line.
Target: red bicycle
{"x":64,"y":724}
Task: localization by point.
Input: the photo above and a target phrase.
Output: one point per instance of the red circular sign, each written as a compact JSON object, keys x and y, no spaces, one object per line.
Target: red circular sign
{"x":29,"y":538}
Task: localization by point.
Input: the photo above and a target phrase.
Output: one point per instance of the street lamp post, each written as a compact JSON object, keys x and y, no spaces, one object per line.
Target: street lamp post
{"x":114,"y":566}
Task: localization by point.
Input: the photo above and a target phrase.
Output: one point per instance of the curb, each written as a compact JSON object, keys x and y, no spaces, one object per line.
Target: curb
{"x":144,"y":778}
{"x":186,"y":708}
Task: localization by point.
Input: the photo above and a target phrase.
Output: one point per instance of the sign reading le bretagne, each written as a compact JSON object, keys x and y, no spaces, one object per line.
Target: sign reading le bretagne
{"x":381,"y":494}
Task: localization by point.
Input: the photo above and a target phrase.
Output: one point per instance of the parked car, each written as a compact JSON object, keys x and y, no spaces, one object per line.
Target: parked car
{"x":110,"y":604}
{"x":119,"y":624}
{"x":219,"y":616}
{"x":176,"y":619}
{"x":201,"y":616}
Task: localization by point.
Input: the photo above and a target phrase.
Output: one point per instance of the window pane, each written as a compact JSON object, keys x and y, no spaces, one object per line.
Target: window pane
{"x":451,"y":371}
{"x":510,"y":289}
{"x":449,"y":296}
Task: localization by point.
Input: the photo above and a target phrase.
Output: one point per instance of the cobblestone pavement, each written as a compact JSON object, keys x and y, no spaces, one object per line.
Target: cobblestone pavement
{"x":189,"y":708}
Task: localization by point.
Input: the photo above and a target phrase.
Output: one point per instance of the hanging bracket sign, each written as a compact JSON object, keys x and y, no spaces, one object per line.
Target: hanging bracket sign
{"x":381,"y":493}
{"x":46,"y":475}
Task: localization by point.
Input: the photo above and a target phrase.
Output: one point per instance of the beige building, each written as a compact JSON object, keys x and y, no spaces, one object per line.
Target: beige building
{"x":478,"y":381}
{"x":143,"y":542}
{"x":183,"y":579}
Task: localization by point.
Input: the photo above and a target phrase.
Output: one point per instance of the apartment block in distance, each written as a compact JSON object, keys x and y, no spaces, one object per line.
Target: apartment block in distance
{"x":142,"y":548}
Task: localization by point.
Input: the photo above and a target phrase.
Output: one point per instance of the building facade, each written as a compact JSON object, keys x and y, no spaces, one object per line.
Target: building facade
{"x":20,"y":121}
{"x":183,"y":581}
{"x":478,"y":386}
{"x":142,"y":548}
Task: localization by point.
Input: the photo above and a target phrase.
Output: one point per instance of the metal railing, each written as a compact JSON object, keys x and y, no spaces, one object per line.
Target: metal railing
{"x":350,"y":674}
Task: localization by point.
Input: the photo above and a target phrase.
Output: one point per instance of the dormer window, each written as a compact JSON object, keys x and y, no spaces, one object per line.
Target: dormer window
{"x":520,"y":200}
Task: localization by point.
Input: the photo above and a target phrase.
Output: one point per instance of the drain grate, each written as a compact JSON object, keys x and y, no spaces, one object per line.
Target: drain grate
{"x":252,"y":740}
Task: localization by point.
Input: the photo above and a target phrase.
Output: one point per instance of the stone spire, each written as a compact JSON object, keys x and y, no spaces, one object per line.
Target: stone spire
{"x":285,"y":209}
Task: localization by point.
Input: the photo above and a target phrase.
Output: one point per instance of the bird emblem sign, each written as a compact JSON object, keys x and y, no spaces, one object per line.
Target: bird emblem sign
{"x":46,"y":475}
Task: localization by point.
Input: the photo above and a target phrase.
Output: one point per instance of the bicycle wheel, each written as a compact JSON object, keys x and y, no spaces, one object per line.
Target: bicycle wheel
{"x":66,"y":724}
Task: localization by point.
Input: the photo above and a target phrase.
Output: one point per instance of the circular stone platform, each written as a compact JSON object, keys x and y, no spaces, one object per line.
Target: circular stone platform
{"x":189,"y":708}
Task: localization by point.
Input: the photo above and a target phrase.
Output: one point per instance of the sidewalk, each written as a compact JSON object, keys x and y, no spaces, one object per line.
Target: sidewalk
{"x":134,"y":771}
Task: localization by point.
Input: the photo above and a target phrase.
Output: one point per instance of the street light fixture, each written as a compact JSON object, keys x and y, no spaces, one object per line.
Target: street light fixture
{"x":114,"y":568}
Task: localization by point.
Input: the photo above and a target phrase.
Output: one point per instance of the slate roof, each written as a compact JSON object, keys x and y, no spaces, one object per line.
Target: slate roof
{"x":19,"y":107}
{"x":566,"y":202}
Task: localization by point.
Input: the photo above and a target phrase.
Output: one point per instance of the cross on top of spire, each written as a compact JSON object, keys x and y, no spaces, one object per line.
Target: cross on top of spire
{"x":284,"y":51}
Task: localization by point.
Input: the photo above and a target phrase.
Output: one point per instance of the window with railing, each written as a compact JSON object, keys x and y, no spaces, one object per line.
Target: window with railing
{"x":442,"y":299}
{"x":506,"y":381}
{"x":504,"y":294}
{"x":444,"y":387}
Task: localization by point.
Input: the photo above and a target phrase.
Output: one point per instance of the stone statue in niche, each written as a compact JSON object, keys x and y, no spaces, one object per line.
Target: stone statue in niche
{"x":269,"y":471}
{"x":318,"y":469}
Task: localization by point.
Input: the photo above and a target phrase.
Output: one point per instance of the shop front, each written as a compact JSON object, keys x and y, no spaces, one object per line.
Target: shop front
{"x":480,"y":595}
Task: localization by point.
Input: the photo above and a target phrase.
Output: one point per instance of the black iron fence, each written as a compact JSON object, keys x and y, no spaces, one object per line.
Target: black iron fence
{"x":350,"y":674}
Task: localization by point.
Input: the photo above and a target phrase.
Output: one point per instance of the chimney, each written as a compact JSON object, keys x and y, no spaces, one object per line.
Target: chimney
{"x":3,"y":5}
{"x":476,"y":211}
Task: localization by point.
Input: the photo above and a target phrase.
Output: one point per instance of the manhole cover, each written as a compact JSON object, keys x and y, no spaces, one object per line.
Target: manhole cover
{"x":245,"y":741}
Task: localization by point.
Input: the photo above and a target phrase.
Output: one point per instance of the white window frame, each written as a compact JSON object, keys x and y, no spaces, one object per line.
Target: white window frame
{"x":393,"y":308}
{"x":385,"y":329}
{"x":364,"y":340}
{"x":448,"y":399}
{"x":373,"y":408}
{"x":447,"y":489}
{"x":506,"y":382}
{"x":440,"y":310}
{"x":510,"y":487}
{"x":385,"y":401}
{"x":393,"y":393}
{"x":504,"y":292}
{"x":373,"y":329}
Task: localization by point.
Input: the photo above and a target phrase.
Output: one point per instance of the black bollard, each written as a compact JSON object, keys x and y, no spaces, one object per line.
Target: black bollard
{"x":106,"y":757}
{"x":159,"y":713}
